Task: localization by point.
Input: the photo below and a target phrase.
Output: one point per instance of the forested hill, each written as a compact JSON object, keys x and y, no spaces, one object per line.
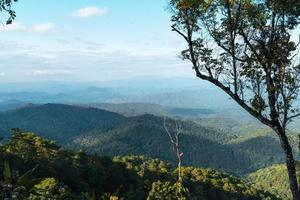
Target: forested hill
{"x":273,"y":179}
{"x":145,"y":135}
{"x":107,"y":133}
{"x":57,"y":121}
{"x":34,"y":168}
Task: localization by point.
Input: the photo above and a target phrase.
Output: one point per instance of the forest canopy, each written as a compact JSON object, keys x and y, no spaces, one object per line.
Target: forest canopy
{"x":35,"y":168}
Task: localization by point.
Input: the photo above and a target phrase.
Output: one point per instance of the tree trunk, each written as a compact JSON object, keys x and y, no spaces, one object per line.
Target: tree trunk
{"x":290,"y":164}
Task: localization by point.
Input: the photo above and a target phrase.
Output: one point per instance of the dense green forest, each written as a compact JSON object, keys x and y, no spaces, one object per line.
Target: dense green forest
{"x":111,"y":134}
{"x":145,"y":135}
{"x":34,"y":168}
{"x":129,"y":144}
{"x":57,"y":121}
{"x":89,"y":119}
{"x":273,"y":179}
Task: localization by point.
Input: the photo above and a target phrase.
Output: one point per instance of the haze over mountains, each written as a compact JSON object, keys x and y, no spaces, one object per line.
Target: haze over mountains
{"x":125,"y":117}
{"x":193,"y":93}
{"x":167,"y":92}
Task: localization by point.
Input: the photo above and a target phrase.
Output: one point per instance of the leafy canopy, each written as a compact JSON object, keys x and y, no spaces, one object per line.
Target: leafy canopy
{"x":35,"y":168}
{"x":5,"y":6}
{"x":246,"y":48}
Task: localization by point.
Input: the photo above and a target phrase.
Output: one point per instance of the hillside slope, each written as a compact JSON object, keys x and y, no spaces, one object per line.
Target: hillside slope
{"x":47,"y":172}
{"x":273,"y":179}
{"x":57,"y":121}
{"x":110,"y":134}
{"x":145,"y":135}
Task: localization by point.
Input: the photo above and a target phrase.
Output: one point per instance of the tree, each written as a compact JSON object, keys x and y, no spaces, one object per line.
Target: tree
{"x":5,"y":6}
{"x":174,"y":139}
{"x":245,"y":48}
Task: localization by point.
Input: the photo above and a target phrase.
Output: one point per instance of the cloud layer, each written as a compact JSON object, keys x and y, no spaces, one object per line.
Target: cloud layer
{"x":13,"y":27}
{"x":43,"y":28}
{"x":82,"y":60}
{"x":50,"y":72}
{"x":90,"y":11}
{"x":37,"y":28}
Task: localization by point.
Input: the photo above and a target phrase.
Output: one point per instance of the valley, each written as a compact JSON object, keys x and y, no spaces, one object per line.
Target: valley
{"x":150,"y":100}
{"x":223,"y":139}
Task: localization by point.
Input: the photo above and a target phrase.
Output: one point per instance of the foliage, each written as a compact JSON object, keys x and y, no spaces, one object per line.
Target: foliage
{"x":34,"y":168}
{"x":166,"y":191}
{"x":59,"y":122}
{"x":205,"y":183}
{"x":145,"y":135}
{"x":26,"y":187}
{"x":246,"y":49}
{"x":273,"y":179}
{"x":5,"y":5}
{"x":111,"y":134}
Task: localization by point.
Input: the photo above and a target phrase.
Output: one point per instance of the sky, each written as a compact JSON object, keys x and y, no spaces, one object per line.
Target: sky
{"x":90,"y":40}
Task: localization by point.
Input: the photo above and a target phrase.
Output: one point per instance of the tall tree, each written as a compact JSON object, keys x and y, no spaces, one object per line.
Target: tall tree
{"x":5,"y":6}
{"x":247,"y":49}
{"x":174,"y":139}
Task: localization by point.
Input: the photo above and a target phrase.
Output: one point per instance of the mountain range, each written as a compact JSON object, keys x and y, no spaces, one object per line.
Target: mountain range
{"x":110,"y":134}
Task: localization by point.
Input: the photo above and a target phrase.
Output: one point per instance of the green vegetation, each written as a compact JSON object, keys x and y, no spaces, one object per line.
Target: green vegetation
{"x":145,"y":135}
{"x":273,"y":179}
{"x":246,"y":49}
{"x":111,"y":134}
{"x":58,"y":122}
{"x":34,"y":168}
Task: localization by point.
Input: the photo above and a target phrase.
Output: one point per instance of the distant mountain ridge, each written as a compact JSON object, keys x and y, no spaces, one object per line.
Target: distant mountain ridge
{"x":109,"y":133}
{"x":12,"y":105}
{"x":186,"y":97}
{"x":57,"y":121}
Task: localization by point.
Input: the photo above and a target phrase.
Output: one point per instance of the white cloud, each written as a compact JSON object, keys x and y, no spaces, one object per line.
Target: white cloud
{"x":51,"y":72}
{"x":37,"y":28}
{"x":90,"y":12}
{"x":43,"y":28}
{"x":2,"y":73}
{"x":13,"y":27}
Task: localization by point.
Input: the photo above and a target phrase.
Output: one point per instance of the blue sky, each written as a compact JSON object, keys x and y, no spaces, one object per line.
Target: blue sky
{"x":90,"y":40}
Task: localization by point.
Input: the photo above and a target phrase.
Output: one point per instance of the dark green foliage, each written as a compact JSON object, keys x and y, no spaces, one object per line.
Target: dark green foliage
{"x":145,"y":135}
{"x":166,"y":191}
{"x":78,"y":172}
{"x":34,"y":169}
{"x":111,"y":134}
{"x":59,"y":122}
{"x":5,"y":5}
{"x":199,"y":183}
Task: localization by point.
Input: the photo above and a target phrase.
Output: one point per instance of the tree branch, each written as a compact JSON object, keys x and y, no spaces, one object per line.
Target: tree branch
{"x":179,"y":32}
{"x":235,"y":97}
